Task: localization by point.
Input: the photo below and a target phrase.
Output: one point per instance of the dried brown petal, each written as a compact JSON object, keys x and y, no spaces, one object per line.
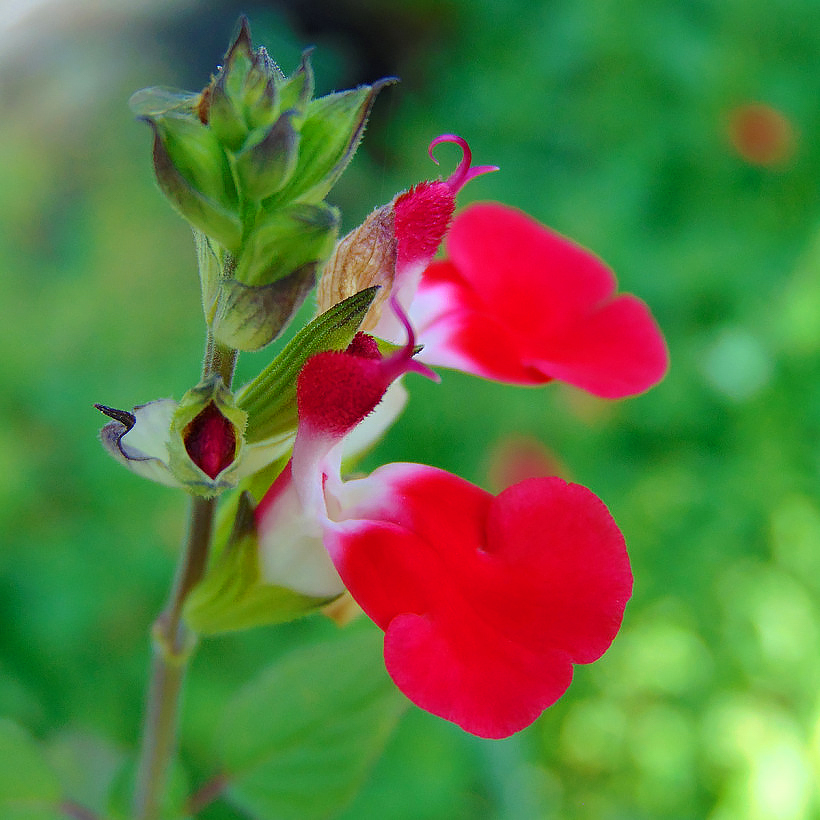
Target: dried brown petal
{"x":365,"y":257}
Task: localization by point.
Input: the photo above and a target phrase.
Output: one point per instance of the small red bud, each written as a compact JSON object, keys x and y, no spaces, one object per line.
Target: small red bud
{"x":210,"y":441}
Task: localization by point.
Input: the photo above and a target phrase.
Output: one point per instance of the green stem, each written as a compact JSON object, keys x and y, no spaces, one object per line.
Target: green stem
{"x":173,"y":642}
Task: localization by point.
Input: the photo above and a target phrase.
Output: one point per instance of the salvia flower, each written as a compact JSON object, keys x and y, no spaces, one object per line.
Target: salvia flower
{"x":396,"y":243}
{"x":486,"y":602}
{"x":513,"y":301}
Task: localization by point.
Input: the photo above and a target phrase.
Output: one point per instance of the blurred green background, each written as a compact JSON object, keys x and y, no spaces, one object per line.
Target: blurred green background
{"x":676,"y":138}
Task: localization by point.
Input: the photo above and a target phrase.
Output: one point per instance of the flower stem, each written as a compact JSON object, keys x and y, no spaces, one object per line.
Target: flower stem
{"x":173,"y":642}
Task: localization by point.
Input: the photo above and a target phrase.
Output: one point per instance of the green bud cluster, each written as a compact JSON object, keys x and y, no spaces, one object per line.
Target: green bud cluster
{"x":248,"y":163}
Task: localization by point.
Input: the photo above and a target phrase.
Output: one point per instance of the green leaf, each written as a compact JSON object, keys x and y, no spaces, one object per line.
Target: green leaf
{"x":29,"y":789}
{"x":270,"y":399}
{"x":86,"y":766}
{"x":297,"y":742}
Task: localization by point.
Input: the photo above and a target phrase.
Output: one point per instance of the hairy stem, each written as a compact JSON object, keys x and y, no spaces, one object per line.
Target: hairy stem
{"x":173,"y":642}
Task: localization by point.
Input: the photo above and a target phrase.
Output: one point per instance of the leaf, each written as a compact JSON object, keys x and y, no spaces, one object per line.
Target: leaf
{"x":86,"y":766}
{"x":29,"y":789}
{"x":297,"y":742}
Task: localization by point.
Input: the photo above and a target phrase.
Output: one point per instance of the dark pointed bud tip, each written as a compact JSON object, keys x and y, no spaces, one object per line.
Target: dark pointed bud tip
{"x":210,"y":441}
{"x":384,"y":82}
{"x":242,"y":40}
{"x":128,"y":420}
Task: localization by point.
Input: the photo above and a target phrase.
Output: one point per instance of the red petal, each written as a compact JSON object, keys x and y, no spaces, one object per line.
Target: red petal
{"x":422,"y":216}
{"x":518,"y":302}
{"x":210,"y":441}
{"x":486,"y":602}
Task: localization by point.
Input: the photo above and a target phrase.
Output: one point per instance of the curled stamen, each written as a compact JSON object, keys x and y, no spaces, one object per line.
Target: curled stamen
{"x":403,"y":359}
{"x":463,"y":173}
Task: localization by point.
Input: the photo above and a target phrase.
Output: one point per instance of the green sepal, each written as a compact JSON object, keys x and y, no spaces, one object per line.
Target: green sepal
{"x":224,"y":119}
{"x":210,"y":272}
{"x":261,"y":99}
{"x":331,"y":131}
{"x":297,"y":90}
{"x":205,"y":214}
{"x":262,"y":169}
{"x":159,"y":100}
{"x":233,"y":596}
{"x":197,"y":154}
{"x":285,"y":240}
{"x":194,"y":402}
{"x":248,"y":317}
{"x":270,"y":399}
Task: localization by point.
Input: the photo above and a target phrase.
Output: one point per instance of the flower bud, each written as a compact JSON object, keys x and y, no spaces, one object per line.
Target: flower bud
{"x":243,"y":96}
{"x":248,"y":317}
{"x":203,"y":168}
{"x":206,"y":438}
{"x":262,"y":169}
{"x":196,"y":445}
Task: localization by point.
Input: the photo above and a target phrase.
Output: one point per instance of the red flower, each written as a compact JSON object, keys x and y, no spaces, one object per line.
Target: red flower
{"x":517,"y":302}
{"x":486,"y":602}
